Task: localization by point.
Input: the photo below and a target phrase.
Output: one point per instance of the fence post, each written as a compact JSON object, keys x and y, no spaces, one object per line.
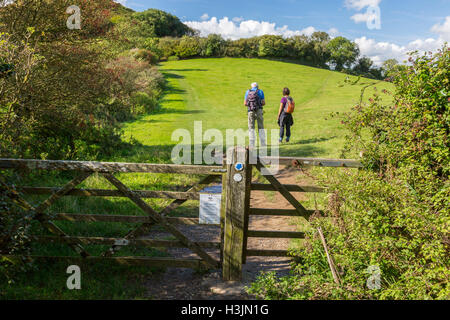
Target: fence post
{"x":236,"y":212}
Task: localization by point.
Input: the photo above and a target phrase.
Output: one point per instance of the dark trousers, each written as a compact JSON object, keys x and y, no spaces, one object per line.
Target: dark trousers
{"x":288,"y":130}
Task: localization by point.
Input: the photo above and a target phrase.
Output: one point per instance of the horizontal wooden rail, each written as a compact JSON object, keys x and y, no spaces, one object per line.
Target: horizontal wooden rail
{"x":128,"y":261}
{"x":276,"y":234}
{"x":281,"y":212}
{"x":267,"y":253}
{"x":113,"y":193}
{"x":109,"y":167}
{"x":120,"y":218}
{"x":289,"y":187}
{"x":150,"y":243}
{"x":315,"y":162}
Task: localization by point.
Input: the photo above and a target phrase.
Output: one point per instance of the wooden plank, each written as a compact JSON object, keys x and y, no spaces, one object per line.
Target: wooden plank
{"x":276,"y":234}
{"x":151,"y":243}
{"x":157,"y":218}
{"x":289,"y":187}
{"x":237,"y":205}
{"x":109,"y":167}
{"x":121,"y":218}
{"x":281,"y":212}
{"x":223,"y":208}
{"x":127,"y":261}
{"x":267,"y":253}
{"x":282,"y":189}
{"x":315,"y":162}
{"x":113,"y":193}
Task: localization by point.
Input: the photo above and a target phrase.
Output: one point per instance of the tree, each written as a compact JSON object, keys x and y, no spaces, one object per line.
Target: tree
{"x":319,"y":42}
{"x":271,"y":46}
{"x":57,"y":102}
{"x":158,"y":23}
{"x":188,"y":47}
{"x":363,"y":65}
{"x":389,"y":66}
{"x":343,"y":52}
{"x":214,"y":46}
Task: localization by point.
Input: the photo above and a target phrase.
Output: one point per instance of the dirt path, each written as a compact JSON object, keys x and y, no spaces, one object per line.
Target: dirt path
{"x":186,"y":284}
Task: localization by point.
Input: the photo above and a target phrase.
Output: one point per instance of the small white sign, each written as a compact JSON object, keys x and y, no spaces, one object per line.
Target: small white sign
{"x":210,"y":208}
{"x":237,"y":177}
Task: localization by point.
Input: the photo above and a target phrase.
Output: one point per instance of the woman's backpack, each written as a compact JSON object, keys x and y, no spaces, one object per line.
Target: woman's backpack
{"x":290,"y":105}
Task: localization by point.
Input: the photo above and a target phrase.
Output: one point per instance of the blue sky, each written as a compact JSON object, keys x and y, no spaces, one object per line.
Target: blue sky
{"x":405,"y":24}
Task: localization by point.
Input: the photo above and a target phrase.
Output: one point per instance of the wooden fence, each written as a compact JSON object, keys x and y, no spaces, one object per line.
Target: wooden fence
{"x":235,"y":211}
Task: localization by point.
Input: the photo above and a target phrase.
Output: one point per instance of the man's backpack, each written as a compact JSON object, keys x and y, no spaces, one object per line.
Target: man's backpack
{"x":290,"y":105}
{"x":253,"y":100}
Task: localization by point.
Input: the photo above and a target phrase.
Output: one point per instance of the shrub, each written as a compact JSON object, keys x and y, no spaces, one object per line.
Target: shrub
{"x":144,"y":55}
{"x":187,"y":47}
{"x":173,"y":58}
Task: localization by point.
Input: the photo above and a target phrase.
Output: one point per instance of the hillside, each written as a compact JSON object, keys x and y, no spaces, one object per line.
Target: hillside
{"x":212,"y":91}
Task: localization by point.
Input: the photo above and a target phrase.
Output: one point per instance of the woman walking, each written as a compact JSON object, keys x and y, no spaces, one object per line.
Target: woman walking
{"x":285,"y":119}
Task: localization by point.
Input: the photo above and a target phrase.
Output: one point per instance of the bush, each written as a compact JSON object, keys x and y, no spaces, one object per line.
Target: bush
{"x":144,"y":55}
{"x":173,"y":58}
{"x":187,"y":47}
{"x":135,"y":77}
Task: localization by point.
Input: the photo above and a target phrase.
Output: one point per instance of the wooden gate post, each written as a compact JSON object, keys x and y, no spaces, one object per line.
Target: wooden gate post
{"x":236,"y":214}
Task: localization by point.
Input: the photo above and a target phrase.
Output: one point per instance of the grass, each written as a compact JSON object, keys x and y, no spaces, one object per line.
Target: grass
{"x":212,"y":91}
{"x":206,"y":90}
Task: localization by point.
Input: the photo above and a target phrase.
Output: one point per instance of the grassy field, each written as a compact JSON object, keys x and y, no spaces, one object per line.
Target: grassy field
{"x":207,"y":90}
{"x":212,"y":91}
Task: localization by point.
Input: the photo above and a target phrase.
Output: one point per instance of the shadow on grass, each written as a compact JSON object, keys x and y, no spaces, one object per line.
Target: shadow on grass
{"x":168,"y":75}
{"x":312,"y":140}
{"x":183,"y":70}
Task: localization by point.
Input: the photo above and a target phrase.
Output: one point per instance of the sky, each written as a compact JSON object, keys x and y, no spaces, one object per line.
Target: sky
{"x":383,"y":29}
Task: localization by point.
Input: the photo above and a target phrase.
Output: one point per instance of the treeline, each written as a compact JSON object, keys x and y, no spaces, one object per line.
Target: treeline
{"x":166,"y":39}
{"x":318,"y":50}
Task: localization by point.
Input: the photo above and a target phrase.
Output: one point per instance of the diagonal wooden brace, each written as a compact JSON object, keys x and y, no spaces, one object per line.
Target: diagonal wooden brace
{"x":172,"y":206}
{"x":283,"y":190}
{"x":39,"y":210}
{"x":157,"y":218}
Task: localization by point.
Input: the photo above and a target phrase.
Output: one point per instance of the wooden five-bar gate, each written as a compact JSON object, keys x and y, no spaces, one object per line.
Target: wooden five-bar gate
{"x":236,"y":179}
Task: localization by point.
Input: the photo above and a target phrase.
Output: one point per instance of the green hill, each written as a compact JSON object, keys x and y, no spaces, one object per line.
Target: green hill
{"x":212,"y":91}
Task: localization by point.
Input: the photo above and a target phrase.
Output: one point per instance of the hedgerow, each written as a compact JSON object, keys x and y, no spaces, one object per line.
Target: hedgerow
{"x":392,"y":215}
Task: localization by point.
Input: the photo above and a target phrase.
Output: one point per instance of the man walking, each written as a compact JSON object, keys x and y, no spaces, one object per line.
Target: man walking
{"x":254,"y":101}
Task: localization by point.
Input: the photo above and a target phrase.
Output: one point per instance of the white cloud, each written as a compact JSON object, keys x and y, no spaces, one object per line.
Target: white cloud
{"x":443,"y":29}
{"x":381,"y":51}
{"x":122,"y":2}
{"x":361,"y":4}
{"x":239,"y":28}
{"x":204,"y":17}
{"x":333,"y":32}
